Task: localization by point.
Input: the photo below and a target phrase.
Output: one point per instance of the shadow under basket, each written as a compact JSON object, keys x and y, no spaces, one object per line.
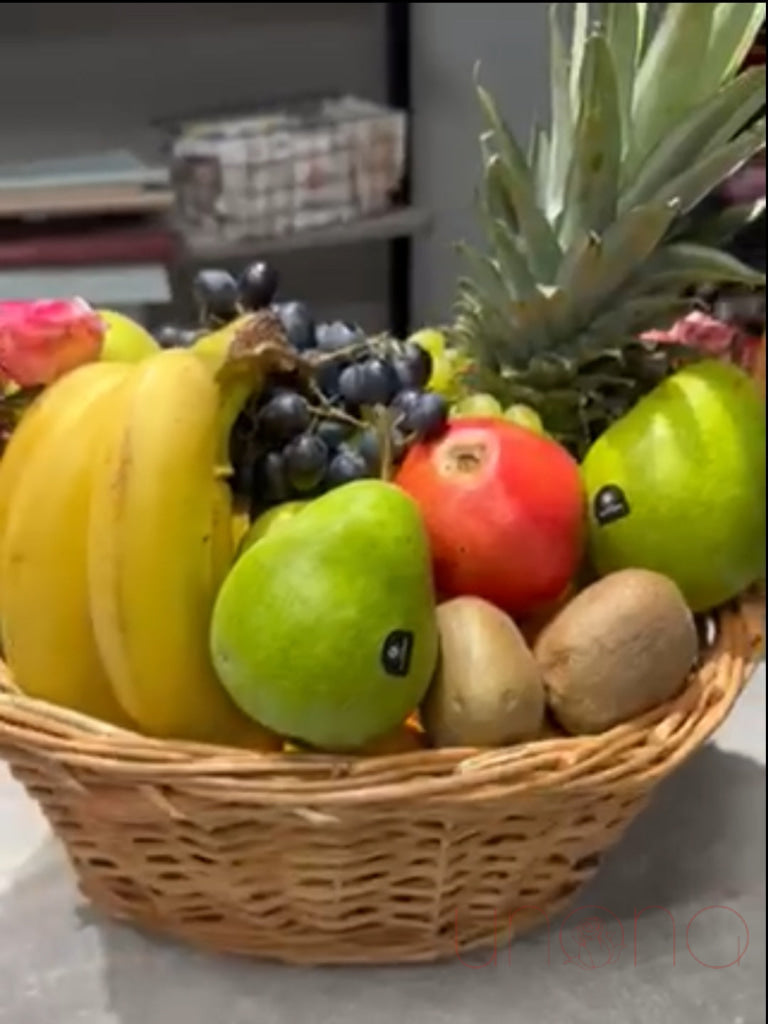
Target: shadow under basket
{"x":316,"y":859}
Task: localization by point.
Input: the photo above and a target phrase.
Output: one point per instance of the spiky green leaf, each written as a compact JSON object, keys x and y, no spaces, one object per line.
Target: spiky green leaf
{"x":593,"y":177}
{"x":690,"y":187}
{"x":734,"y":30}
{"x":579,"y":35}
{"x":622,"y":27}
{"x":562,"y":117}
{"x":540,"y":242}
{"x":496,"y":201}
{"x":596,"y":268}
{"x":718,"y":229}
{"x":634,"y":316}
{"x":686,"y":263}
{"x":642,"y":31}
{"x":539,"y":158}
{"x":670,"y":77}
{"x":488,"y":277}
{"x":709,"y":127}
{"x":512,"y":264}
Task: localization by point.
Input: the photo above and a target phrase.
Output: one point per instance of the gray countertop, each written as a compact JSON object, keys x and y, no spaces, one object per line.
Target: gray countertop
{"x":700,"y":846}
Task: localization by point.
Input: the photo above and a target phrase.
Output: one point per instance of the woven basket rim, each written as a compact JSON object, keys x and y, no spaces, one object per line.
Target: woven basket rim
{"x":638,"y":751}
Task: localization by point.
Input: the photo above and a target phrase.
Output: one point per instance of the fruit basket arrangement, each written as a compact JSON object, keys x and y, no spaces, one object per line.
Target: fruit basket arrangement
{"x":333,"y":648}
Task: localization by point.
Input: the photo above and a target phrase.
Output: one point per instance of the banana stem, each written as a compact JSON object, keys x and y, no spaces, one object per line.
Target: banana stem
{"x":258,"y":350}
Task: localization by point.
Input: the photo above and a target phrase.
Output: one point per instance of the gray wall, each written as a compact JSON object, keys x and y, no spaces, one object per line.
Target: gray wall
{"x":80,"y":75}
{"x":510,"y":42}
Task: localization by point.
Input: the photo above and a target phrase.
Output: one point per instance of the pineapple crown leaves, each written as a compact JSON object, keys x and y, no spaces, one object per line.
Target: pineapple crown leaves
{"x":599,"y":216}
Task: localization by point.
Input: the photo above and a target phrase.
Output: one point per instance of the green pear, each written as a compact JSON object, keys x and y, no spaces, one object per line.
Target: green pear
{"x":326,"y":629}
{"x":273,"y":519}
{"x":677,"y":486}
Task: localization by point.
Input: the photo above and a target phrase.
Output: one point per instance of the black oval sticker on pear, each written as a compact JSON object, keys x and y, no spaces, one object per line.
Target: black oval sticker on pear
{"x":396,"y":653}
{"x":610,"y":504}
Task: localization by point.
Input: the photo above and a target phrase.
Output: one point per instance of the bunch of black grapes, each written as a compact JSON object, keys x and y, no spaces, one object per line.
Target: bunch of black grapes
{"x":220,"y":298}
{"x":350,"y":413}
{"x":354,"y":416}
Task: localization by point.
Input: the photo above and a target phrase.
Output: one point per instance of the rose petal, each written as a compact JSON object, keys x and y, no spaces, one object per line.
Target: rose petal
{"x":42,"y":340}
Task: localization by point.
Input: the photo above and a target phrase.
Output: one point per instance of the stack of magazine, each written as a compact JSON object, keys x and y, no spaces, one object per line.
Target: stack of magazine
{"x":111,"y":182}
{"x":92,"y":224}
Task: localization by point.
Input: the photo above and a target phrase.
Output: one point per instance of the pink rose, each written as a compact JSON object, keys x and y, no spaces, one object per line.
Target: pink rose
{"x":42,"y":340}
{"x":711,"y":337}
{"x":698,"y":331}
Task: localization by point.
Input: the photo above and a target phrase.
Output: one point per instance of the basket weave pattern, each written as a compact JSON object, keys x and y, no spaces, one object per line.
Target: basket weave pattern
{"x":318,"y":859}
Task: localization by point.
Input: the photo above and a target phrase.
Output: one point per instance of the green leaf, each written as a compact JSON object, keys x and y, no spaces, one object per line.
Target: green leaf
{"x":512,"y":264}
{"x":693,"y":185}
{"x":621,"y":29}
{"x":539,"y":159}
{"x":594,"y":269}
{"x":593,"y":177}
{"x":670,"y":76}
{"x":562,"y":117}
{"x":497,"y":314}
{"x":540,"y":242}
{"x":734,"y":30}
{"x":719,"y":228}
{"x":578,"y":48}
{"x":642,"y":29}
{"x":711,"y":125}
{"x":689,"y":264}
{"x":636,"y":315}
{"x":511,"y":296}
{"x":497,"y":201}
{"x":487,"y":277}
{"x":484,"y":327}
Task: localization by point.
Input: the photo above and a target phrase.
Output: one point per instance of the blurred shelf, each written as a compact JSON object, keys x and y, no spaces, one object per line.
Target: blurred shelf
{"x":399,"y":223}
{"x":140,"y":284}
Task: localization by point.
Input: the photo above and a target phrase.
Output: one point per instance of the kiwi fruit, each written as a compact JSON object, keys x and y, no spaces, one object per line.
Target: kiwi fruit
{"x":619,"y":648}
{"x":487,"y":691}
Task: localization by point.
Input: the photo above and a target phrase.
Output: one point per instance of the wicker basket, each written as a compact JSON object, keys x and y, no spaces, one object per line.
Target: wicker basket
{"x":316,"y":859}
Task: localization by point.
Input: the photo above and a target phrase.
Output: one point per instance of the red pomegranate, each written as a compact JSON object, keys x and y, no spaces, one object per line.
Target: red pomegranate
{"x":504,"y":510}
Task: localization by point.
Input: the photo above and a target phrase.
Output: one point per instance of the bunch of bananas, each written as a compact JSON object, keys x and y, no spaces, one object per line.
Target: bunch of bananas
{"x":116,"y":531}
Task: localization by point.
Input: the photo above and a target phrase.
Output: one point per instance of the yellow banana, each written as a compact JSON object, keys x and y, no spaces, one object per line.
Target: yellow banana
{"x":160,"y":520}
{"x":212,"y":348}
{"x":47,"y":631}
{"x":37,"y":423}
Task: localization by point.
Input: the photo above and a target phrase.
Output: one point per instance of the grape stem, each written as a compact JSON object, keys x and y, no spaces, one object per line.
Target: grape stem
{"x":329,"y":413}
{"x":326,"y":358}
{"x":381,"y":344}
{"x":383,"y":429}
{"x":318,"y":395}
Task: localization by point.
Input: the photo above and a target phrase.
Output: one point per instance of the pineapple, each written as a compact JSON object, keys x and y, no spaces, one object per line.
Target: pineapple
{"x":595,"y":237}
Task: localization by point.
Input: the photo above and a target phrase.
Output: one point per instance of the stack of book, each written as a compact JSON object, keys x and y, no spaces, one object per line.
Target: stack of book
{"x":91,"y":225}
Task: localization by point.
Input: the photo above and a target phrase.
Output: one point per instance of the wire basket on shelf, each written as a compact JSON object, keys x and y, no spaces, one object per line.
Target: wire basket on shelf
{"x":304,"y":167}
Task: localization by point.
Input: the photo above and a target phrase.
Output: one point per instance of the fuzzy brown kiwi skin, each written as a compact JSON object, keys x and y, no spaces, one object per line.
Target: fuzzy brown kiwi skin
{"x":621,"y":647}
{"x":487,"y":691}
